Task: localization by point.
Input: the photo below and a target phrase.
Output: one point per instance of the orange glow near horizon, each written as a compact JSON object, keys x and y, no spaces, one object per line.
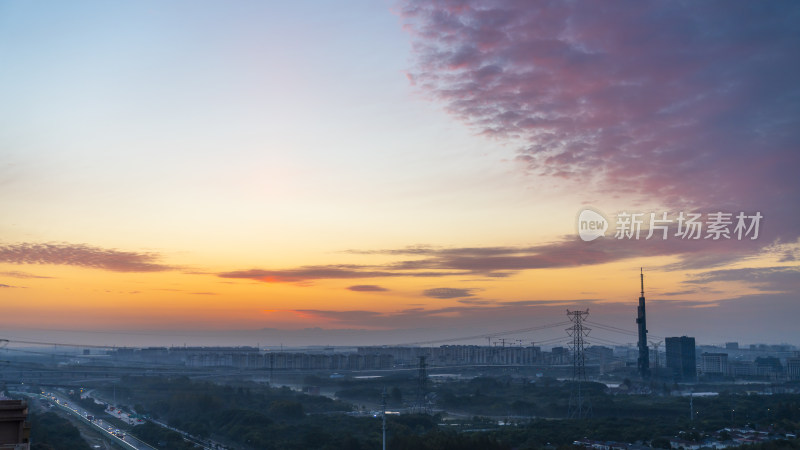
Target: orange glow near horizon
{"x":85,"y":298}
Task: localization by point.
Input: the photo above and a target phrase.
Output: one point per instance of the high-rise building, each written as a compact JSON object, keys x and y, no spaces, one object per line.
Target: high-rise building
{"x":681,"y":358}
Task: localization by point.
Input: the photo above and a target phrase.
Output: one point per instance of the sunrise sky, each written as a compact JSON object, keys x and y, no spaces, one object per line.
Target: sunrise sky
{"x":190,"y":170}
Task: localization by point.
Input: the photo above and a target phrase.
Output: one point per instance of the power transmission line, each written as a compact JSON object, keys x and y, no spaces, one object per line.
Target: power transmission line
{"x":620,"y":330}
{"x":484,"y":335}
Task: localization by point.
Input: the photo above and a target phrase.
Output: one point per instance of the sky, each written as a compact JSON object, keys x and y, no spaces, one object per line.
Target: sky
{"x":369,"y":172}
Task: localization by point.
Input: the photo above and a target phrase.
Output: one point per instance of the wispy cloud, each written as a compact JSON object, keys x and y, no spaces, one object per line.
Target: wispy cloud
{"x":784,"y":279}
{"x":342,"y":271}
{"x":445,"y":293}
{"x":500,"y":262}
{"x":572,"y":252}
{"x":82,"y":255}
{"x":367,"y":288}
{"x":678,"y":293}
{"x":18,"y":274}
{"x":476,"y":301}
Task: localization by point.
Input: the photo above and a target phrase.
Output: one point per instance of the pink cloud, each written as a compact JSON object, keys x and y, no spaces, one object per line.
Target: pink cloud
{"x":692,"y":104}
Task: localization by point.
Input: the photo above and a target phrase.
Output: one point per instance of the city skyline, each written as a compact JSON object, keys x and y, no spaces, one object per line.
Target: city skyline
{"x":414,"y":170}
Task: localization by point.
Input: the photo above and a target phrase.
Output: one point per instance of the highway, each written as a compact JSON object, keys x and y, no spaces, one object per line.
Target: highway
{"x":205,"y":444}
{"x":60,"y":401}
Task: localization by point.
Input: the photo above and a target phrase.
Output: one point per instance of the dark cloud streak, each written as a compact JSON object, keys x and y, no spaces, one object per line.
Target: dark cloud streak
{"x":786,"y":279}
{"x":340,"y":271}
{"x":367,"y":288}
{"x":81,"y":255}
{"x":18,"y":274}
{"x":446,"y":293}
{"x":499,"y":262}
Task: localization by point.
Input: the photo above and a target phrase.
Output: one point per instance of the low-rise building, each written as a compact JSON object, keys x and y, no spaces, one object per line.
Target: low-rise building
{"x":14,"y":430}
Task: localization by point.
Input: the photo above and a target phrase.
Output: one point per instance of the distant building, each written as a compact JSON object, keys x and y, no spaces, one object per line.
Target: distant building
{"x":599,"y":354}
{"x":454,"y":355}
{"x":681,"y":357}
{"x":714,"y":364}
{"x":731,"y":346}
{"x":560,"y":355}
{"x":14,"y":430}
{"x":738,"y":369}
{"x":768,"y":366}
{"x":793,"y":368}
{"x":451,"y":355}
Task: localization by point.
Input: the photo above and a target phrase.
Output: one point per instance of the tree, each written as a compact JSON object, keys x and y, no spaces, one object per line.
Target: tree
{"x":396,"y":395}
{"x":286,"y":409}
{"x":660,"y":442}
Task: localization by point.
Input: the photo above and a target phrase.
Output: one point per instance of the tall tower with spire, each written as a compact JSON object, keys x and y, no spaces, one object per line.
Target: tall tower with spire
{"x":643,"y":363}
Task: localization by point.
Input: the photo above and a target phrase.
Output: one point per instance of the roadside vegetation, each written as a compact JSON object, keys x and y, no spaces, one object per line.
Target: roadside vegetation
{"x":486,"y":413}
{"x":49,"y":431}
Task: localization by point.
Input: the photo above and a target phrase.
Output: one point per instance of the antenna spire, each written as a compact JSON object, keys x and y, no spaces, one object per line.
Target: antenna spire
{"x":643,"y":363}
{"x":641,"y":274}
